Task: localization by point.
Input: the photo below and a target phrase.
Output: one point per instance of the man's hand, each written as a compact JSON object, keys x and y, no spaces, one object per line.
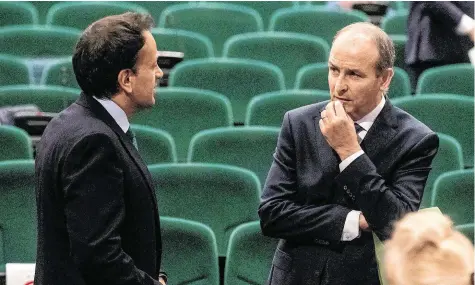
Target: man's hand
{"x":364,"y":224}
{"x":339,"y":130}
{"x":472,"y":35}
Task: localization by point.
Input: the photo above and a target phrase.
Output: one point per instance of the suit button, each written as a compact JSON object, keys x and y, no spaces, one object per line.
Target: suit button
{"x":345,"y":187}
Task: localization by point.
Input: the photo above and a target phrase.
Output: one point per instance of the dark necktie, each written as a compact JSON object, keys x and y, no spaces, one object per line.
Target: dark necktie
{"x":130,"y":134}
{"x":358,"y":129}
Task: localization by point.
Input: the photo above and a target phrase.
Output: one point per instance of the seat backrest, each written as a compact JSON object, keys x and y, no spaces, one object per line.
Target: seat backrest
{"x":155,"y":8}
{"x":13,"y":71}
{"x":454,"y":78}
{"x":266,"y":8}
{"x":80,"y":15}
{"x":17,"y":13}
{"x":60,"y":73}
{"x":18,"y":211}
{"x":249,"y":256}
{"x":400,"y":84}
{"x":445,"y":113}
{"x":220,"y":196}
{"x":237,"y":79}
{"x":399,"y":47}
{"x":217,"y":21}
{"x":288,"y":51}
{"x":16,"y":144}
{"x":453,"y":194}
{"x":247,"y":147}
{"x":183,"y":112}
{"x":47,"y":98}
{"x":190,"y":254}
{"x":314,"y":20}
{"x":154,"y":145}
{"x":449,"y":157}
{"x":467,"y":230}
{"x":191,"y":44}
{"x":42,"y":7}
{"x":268,"y":109}
{"x":395,"y":24}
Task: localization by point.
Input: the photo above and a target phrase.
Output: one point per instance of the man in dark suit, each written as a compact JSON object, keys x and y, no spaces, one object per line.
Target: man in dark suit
{"x":325,"y":191}
{"x":439,"y":33}
{"x":98,"y":220}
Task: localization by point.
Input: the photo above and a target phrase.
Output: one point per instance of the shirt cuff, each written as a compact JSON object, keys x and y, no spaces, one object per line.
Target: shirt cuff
{"x":465,"y":26}
{"x":351,"y":229}
{"x":344,"y":164}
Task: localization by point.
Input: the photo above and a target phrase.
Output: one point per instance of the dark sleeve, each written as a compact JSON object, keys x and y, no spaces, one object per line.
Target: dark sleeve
{"x":445,"y":12}
{"x":283,"y":212}
{"x":384,"y":202}
{"x":94,"y":211}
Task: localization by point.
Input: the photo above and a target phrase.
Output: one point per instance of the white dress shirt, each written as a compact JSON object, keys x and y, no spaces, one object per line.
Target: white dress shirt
{"x":351,"y":229}
{"x":116,"y":112}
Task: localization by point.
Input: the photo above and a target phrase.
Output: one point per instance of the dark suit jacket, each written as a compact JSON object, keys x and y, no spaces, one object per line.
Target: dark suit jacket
{"x":431,"y":32}
{"x":98,"y":221}
{"x":306,"y":199}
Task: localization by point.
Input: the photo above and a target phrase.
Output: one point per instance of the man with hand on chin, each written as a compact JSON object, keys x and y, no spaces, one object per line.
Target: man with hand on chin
{"x":344,"y":168}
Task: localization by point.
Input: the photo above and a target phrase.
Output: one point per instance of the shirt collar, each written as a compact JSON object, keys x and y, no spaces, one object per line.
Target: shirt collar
{"x":116,"y":112}
{"x":367,"y":121}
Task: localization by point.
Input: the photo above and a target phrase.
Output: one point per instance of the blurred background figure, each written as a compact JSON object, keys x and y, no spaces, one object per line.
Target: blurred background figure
{"x":425,"y":249}
{"x":439,"y":33}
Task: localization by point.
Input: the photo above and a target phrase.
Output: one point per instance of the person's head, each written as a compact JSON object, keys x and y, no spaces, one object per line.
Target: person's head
{"x":425,"y":250}
{"x":360,"y":67}
{"x":116,"y":58}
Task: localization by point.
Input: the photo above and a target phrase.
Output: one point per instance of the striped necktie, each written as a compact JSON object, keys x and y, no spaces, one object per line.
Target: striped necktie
{"x":130,"y":134}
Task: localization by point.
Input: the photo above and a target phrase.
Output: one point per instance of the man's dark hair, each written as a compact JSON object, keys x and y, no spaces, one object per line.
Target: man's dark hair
{"x":106,"y":47}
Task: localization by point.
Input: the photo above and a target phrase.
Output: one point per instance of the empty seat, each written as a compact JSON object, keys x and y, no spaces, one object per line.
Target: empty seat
{"x":453,"y":194}
{"x":190,"y":254}
{"x":268,"y":109}
{"x":192,"y":45}
{"x":47,"y":98}
{"x":218,"y":21}
{"x":314,"y":20}
{"x":155,"y":8}
{"x":266,"y":8}
{"x":449,"y":157}
{"x":13,"y":71}
{"x":80,"y":15}
{"x":444,"y":113}
{"x":18,"y":211}
{"x":42,"y":7}
{"x":60,"y":73}
{"x":454,"y":78}
{"x":467,"y":230}
{"x":288,"y":51}
{"x":220,"y":196}
{"x":183,"y":112}
{"x":237,"y":79}
{"x":154,"y":145}
{"x":249,"y":256}
{"x":395,"y":24}
{"x":248,"y":147}
{"x":17,"y":13}
{"x":16,"y":144}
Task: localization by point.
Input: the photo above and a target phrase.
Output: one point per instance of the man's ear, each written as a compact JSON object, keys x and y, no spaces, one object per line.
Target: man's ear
{"x":125,"y":79}
{"x":386,"y":77}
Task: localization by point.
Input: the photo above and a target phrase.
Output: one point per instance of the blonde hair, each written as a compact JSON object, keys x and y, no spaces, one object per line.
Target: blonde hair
{"x":426,"y":250}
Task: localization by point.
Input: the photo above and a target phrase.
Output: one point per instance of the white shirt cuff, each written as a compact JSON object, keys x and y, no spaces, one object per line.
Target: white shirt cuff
{"x":344,"y":164}
{"x":465,"y":26}
{"x":351,"y":229}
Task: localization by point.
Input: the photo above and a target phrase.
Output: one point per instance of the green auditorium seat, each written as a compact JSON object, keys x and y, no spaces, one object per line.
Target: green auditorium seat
{"x":190,"y":254}
{"x":315,"y":76}
{"x":182,"y":112}
{"x":15,"y":144}
{"x":47,"y":98}
{"x":42,"y":7}
{"x":288,"y":51}
{"x":38,"y":41}
{"x":80,"y":15}
{"x":467,"y":230}
{"x":266,"y":8}
{"x":314,"y":20}
{"x":155,"y":8}
{"x":17,"y":13}
{"x":395,"y":24}
{"x":247,"y":147}
{"x":454,"y":78}
{"x":453,"y":194}
{"x":399,"y":47}
{"x":18,"y":211}
{"x":238,"y":79}
{"x":268,"y":109}
{"x":13,"y":71}
{"x":60,"y":73}
{"x":445,"y":113}
{"x":218,"y":21}
{"x":220,"y":196}
{"x":449,"y":157}
{"x":154,"y":145}
{"x":192,"y":45}
{"x":249,"y":256}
